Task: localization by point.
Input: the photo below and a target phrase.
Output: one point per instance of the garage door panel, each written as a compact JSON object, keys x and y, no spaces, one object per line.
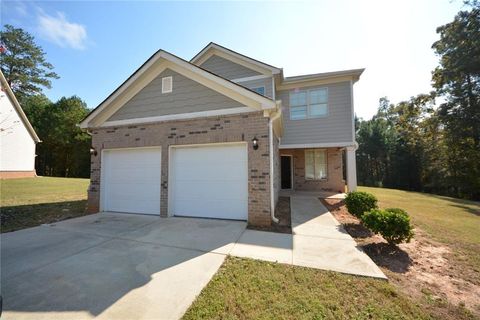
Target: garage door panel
{"x":132,"y":180}
{"x":134,"y":191}
{"x":191,"y":172}
{"x":214,"y":154}
{"x":209,"y":189}
{"x":130,"y":206}
{"x":227,"y":209}
{"x":210,"y":181}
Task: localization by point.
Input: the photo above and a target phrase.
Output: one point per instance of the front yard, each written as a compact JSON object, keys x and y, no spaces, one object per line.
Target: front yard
{"x":434,"y":277}
{"x":30,"y":202}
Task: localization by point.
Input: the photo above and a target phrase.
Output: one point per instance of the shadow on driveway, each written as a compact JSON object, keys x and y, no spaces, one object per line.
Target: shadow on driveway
{"x":112,"y":265}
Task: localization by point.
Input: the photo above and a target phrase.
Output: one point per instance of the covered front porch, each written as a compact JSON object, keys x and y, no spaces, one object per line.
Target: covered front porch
{"x":327,"y":171}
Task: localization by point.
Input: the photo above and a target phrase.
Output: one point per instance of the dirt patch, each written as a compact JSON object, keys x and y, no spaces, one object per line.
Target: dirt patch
{"x":27,"y":216}
{"x":283,"y":214}
{"x":423,"y":268}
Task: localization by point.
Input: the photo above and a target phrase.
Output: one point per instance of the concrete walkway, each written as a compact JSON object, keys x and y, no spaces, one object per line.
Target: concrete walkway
{"x":317,"y":241}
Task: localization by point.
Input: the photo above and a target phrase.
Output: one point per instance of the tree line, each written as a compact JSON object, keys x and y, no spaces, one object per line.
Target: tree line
{"x":64,"y":148}
{"x":416,"y":145}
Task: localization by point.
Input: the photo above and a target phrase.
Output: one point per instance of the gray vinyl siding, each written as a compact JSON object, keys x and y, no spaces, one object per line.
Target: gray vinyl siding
{"x":335,"y":127}
{"x":227,"y":69}
{"x":187,"y":96}
{"x":267,"y":83}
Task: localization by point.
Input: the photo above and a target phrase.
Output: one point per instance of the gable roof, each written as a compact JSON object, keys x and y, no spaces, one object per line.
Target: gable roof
{"x":160,"y":61}
{"x":216,"y":49}
{"x":18,"y":108}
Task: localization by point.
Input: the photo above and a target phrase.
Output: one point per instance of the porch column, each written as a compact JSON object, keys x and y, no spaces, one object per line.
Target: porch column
{"x":351,"y":169}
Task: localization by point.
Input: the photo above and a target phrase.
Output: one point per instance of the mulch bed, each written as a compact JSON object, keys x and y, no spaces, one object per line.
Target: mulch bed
{"x":421,"y":268}
{"x":282,"y":212}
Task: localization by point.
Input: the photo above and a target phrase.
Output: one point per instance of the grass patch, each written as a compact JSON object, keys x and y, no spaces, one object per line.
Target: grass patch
{"x":30,"y":202}
{"x":454,"y":222}
{"x":250,"y":289}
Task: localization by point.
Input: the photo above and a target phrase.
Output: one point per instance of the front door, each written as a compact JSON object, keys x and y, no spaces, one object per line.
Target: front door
{"x":286,"y":164}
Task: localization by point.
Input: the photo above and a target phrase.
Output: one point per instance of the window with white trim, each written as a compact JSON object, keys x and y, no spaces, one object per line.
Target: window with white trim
{"x":308,"y":104}
{"x":315,"y":164}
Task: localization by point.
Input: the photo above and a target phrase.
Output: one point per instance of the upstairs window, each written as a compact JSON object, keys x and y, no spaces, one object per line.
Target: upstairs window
{"x":315,"y":164}
{"x":260,"y":90}
{"x":308,"y":104}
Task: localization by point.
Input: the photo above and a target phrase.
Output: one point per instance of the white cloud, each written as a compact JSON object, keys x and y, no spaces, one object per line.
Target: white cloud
{"x":60,"y":31}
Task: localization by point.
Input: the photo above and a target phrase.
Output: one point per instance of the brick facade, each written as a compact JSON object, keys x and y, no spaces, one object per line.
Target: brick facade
{"x":17,"y":174}
{"x":334,"y":181}
{"x":231,"y":128}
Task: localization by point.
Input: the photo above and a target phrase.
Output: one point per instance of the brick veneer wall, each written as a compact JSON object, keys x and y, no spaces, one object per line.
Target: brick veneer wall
{"x":334,"y":181}
{"x":231,"y":128}
{"x":17,"y":174}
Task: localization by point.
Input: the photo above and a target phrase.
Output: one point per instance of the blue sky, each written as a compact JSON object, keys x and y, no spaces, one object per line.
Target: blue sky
{"x":95,"y":45}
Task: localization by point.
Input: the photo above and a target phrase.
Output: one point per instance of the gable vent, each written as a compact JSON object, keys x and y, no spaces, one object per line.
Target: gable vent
{"x":167,"y":85}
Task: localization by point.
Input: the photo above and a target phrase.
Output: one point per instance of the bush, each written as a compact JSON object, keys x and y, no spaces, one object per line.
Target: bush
{"x":392,"y":224}
{"x":360,"y":202}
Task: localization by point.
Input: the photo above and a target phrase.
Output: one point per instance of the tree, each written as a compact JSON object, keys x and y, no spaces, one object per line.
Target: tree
{"x":457,"y":80}
{"x":23,"y":63}
{"x":64,"y":150}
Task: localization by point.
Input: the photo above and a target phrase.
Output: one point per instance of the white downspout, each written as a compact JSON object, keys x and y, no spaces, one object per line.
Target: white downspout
{"x":270,"y":133}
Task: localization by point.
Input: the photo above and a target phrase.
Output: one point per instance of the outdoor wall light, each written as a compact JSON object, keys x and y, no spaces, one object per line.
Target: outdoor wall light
{"x":255,"y":143}
{"x":93,"y":152}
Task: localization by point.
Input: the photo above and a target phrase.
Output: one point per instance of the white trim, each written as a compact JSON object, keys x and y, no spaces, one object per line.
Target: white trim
{"x":291,"y":171}
{"x":354,"y":73}
{"x":318,"y":145}
{"x":102,"y":173}
{"x":308,"y":115}
{"x":353,"y":110}
{"x":351,"y":169}
{"x":314,"y":166}
{"x":171,"y":177}
{"x":16,"y":105}
{"x":259,"y":77}
{"x":180,"y":116}
{"x":167,"y":84}
{"x":273,"y":88}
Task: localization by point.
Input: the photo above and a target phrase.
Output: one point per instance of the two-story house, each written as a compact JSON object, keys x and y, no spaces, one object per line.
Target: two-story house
{"x":219,"y":136}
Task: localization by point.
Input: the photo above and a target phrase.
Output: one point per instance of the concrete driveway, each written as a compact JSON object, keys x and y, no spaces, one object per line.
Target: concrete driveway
{"x":126,"y":266}
{"x":112,"y":266}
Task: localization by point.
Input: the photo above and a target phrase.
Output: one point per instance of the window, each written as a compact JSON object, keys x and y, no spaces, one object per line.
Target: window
{"x":167,"y":85}
{"x":315,"y":164}
{"x":308,"y":104}
{"x":260,"y":90}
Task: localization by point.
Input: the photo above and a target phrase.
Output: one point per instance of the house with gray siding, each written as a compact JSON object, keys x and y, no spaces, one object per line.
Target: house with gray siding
{"x":220,"y":136}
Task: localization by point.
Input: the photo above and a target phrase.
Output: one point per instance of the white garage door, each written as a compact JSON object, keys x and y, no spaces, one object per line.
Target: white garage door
{"x":209,"y":181}
{"x":131,"y":180}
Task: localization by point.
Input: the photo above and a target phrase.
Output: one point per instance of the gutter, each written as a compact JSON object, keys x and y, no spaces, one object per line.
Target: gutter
{"x":270,"y":133}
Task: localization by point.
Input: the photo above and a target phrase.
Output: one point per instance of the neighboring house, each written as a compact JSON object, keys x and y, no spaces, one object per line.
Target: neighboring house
{"x":17,"y":137}
{"x":219,"y":136}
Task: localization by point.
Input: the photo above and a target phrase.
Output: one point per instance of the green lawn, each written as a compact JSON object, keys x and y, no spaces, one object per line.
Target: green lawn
{"x":32,"y":201}
{"x":452,"y":221}
{"x":249,"y":289}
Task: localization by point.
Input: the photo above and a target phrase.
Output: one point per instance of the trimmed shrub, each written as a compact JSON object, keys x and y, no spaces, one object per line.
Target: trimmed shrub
{"x":360,"y":202}
{"x":392,"y":224}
